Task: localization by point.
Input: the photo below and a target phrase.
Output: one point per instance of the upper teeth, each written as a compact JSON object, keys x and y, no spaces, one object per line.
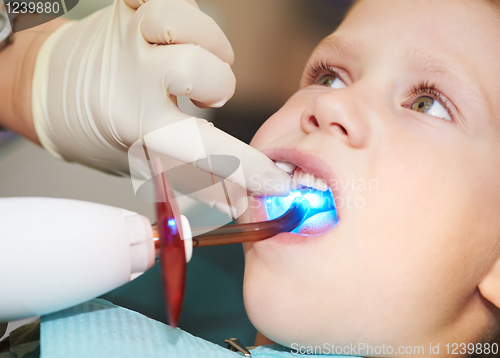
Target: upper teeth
{"x":301,"y":178}
{"x":286,"y":166}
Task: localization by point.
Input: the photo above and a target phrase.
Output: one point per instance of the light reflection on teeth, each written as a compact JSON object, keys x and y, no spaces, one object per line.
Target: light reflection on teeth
{"x":302,"y":179}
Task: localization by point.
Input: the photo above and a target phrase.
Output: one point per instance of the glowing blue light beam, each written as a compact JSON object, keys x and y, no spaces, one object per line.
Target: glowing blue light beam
{"x":173,"y":225}
{"x":276,"y":206}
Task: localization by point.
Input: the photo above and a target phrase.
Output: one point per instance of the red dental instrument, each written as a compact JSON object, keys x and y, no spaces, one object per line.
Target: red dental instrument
{"x":171,"y":245}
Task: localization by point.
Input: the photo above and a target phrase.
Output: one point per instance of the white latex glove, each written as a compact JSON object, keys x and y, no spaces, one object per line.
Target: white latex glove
{"x":105,"y":82}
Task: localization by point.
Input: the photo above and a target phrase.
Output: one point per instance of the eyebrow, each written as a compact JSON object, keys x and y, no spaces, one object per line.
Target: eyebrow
{"x":459,"y":77}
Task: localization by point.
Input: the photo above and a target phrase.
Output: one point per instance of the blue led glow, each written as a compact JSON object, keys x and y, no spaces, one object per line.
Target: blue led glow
{"x":322,"y":200}
{"x":173,"y":225}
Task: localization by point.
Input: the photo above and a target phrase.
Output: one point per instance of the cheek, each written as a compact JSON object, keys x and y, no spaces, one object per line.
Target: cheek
{"x":284,"y":124}
{"x":432,"y":205}
{"x":276,"y":127}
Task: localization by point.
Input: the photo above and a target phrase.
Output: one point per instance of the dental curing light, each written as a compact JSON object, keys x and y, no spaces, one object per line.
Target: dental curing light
{"x":172,"y":245}
{"x":60,"y":252}
{"x":320,"y":201}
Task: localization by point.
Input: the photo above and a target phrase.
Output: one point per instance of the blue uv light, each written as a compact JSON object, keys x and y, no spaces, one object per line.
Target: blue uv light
{"x":321,"y":200}
{"x":173,"y":225}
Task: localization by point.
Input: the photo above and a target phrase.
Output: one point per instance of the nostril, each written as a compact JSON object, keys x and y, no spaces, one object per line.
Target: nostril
{"x":340,"y":127}
{"x":326,"y":123}
{"x":313,"y":121}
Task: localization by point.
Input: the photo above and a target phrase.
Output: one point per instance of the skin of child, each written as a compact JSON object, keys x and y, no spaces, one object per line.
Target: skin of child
{"x":415,"y":260}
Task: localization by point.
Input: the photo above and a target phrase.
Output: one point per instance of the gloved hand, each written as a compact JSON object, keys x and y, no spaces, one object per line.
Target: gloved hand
{"x":105,"y":82}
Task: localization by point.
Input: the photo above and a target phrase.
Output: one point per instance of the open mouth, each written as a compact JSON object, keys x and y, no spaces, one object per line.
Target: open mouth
{"x":318,"y":221}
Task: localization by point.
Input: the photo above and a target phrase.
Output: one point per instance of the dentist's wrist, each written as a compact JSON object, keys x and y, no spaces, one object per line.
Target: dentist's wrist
{"x":17,"y":63}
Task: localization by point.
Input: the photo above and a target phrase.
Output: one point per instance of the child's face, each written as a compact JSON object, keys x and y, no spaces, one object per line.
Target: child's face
{"x":402,"y":117}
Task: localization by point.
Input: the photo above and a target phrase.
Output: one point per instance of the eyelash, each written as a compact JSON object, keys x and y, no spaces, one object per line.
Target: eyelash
{"x":426,"y":87}
{"x":319,"y":69}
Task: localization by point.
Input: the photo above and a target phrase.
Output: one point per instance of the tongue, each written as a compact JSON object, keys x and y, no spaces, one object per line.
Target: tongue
{"x":318,"y":224}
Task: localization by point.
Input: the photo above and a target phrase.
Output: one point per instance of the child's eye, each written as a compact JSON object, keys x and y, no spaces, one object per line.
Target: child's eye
{"x":429,"y":100}
{"x":331,"y":81}
{"x":323,"y":74}
{"x":430,"y":106}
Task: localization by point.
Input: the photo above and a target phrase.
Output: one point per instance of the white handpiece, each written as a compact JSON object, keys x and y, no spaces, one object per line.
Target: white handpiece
{"x":56,"y":253}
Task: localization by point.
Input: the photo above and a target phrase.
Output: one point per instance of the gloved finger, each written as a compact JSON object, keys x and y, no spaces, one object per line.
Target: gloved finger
{"x":135,"y":4}
{"x":261,"y":176}
{"x":194,"y":140}
{"x":193,"y":2}
{"x":190,"y":181}
{"x":179,"y":22}
{"x":199,"y":104}
{"x":192,"y":71}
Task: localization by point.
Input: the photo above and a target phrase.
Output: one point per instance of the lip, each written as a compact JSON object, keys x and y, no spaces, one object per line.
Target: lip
{"x":312,"y":164}
{"x":309,"y":162}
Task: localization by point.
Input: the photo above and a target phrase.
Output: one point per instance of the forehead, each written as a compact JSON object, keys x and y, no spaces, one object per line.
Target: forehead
{"x":465,"y":29}
{"x":486,"y":10}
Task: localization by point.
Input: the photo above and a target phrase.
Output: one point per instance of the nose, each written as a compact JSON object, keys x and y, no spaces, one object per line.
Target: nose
{"x":339,"y":113}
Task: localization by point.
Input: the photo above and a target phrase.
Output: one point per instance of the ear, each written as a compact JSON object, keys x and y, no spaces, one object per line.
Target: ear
{"x":490,"y":285}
